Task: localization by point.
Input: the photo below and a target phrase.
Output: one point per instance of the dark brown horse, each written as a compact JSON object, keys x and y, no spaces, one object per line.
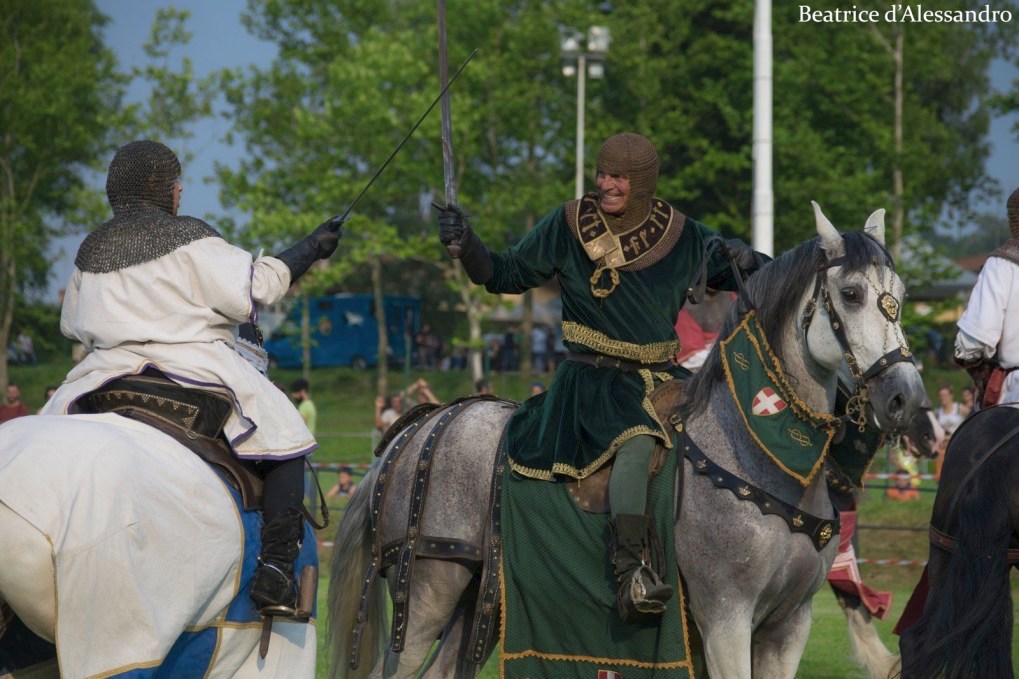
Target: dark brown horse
{"x":965,"y":629}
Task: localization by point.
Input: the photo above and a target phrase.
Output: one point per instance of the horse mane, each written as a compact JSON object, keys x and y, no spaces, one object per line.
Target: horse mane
{"x":771,"y":290}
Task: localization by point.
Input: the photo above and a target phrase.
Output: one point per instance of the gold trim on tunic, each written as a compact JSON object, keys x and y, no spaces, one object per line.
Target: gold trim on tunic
{"x":656,"y":352}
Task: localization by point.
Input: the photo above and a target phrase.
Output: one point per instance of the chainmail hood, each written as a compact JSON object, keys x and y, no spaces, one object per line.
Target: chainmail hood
{"x":634,"y":157}
{"x":142,"y":176}
{"x":144,"y":227}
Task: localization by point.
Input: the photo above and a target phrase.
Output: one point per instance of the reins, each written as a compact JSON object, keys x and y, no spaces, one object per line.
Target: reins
{"x":856,"y":405}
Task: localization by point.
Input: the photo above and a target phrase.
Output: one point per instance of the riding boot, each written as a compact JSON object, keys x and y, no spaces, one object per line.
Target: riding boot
{"x":274,"y":589}
{"x":641,"y":590}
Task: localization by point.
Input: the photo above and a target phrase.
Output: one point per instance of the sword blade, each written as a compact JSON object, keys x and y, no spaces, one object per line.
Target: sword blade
{"x":447,"y":117}
{"x":424,"y":115}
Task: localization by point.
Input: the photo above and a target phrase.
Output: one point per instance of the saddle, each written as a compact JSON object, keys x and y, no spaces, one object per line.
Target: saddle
{"x":192,"y":417}
{"x":592,"y":492}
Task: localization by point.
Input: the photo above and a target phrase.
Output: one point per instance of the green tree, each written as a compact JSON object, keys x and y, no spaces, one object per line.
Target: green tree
{"x":352,"y":77}
{"x":349,"y":82}
{"x":62,"y":112}
{"x":59,"y":93}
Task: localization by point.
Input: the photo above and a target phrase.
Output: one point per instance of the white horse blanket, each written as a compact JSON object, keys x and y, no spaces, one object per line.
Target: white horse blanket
{"x":146,"y":542}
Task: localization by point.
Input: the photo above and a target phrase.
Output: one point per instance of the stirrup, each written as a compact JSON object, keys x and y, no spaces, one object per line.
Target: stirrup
{"x":277,"y":597}
{"x":642,"y":593}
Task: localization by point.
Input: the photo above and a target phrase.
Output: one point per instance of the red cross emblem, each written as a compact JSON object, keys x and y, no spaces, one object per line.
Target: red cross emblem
{"x":767,"y":402}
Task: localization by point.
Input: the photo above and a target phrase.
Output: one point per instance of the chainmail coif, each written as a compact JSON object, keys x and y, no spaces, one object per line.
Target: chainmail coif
{"x":142,"y":176}
{"x":144,"y":227}
{"x":1013,"y":213}
{"x":634,"y":157}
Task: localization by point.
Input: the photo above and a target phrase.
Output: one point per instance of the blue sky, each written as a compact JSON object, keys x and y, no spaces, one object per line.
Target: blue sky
{"x":220,"y":41}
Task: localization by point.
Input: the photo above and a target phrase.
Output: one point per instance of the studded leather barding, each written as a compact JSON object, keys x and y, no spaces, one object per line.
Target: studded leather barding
{"x":820,"y":531}
{"x":402,"y":553}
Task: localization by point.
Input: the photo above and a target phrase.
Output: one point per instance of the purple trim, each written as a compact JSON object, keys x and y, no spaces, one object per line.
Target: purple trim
{"x":74,"y":403}
{"x":307,"y":451}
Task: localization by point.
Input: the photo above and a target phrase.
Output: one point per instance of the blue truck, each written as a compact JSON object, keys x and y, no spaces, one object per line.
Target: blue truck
{"x":343,"y":330}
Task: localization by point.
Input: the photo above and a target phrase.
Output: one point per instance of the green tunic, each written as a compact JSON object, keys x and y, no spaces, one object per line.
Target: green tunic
{"x":575,"y":426}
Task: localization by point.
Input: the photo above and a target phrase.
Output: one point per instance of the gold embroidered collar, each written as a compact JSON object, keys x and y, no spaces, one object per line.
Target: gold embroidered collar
{"x":631,"y":250}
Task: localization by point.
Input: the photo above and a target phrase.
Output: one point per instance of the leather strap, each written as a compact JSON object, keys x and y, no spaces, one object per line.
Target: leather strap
{"x":418,"y":496}
{"x":820,"y":531}
{"x":604,"y":361}
{"x":946,"y":542}
{"x":379,"y":492}
{"x":215,"y":452}
{"x":487,"y":610}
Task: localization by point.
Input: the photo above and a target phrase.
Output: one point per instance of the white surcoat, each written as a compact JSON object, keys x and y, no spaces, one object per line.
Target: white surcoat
{"x":989,"y":327}
{"x":180,"y":313}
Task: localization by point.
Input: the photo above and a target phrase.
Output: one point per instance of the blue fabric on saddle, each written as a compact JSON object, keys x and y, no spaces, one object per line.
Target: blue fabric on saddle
{"x":195,"y":650}
{"x":559,"y":615}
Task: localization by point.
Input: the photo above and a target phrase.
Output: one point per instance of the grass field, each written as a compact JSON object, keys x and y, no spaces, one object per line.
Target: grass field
{"x":345,"y":401}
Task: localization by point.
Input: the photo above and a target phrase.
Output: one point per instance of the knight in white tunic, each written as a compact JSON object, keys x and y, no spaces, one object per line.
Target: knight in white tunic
{"x":154,"y":291}
{"x":989,"y":327}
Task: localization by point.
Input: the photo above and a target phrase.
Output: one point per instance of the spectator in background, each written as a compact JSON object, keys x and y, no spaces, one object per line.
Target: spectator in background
{"x":949,"y":415}
{"x":482,"y":388}
{"x":50,"y":390}
{"x":13,"y":407}
{"x":506,"y":359}
{"x":967,"y":396}
{"x":949,"y":411}
{"x":389,"y":409}
{"x":539,"y":348}
{"x":300,"y":391}
{"x":422,"y":346}
{"x":537,"y":388}
{"x":344,"y":486}
{"x":24,"y":348}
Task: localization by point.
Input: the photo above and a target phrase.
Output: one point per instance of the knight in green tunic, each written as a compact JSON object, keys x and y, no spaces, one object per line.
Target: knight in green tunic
{"x":624,"y":260}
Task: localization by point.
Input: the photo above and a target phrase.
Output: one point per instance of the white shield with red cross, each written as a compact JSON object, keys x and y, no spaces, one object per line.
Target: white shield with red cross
{"x":609,"y":674}
{"x":767,"y":402}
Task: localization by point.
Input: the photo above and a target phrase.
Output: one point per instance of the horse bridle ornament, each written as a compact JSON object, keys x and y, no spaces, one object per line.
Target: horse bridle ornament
{"x":856,"y":406}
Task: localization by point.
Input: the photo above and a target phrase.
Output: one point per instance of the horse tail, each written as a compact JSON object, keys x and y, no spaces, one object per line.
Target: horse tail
{"x":351,"y":557}
{"x":966,"y":626}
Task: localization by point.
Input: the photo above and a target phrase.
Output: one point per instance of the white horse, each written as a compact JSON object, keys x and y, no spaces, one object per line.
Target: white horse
{"x":749,"y":577}
{"x":115,"y":541}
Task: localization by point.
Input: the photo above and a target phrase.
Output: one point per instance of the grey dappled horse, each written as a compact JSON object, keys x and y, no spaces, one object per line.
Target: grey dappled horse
{"x":749,"y":579}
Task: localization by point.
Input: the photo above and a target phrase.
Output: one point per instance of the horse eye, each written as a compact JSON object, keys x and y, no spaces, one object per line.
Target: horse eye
{"x":851,"y":295}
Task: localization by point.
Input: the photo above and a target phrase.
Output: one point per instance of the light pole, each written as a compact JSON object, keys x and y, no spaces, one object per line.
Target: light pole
{"x":583,"y":60}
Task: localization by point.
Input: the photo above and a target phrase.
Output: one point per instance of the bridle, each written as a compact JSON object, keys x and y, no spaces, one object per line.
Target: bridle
{"x":890,"y":308}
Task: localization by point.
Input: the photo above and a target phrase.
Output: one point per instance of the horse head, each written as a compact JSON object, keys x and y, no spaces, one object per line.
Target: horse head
{"x":924,"y":436}
{"x":853,"y":316}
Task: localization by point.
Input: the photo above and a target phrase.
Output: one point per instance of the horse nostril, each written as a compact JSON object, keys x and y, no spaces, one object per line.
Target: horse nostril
{"x":896,"y":405}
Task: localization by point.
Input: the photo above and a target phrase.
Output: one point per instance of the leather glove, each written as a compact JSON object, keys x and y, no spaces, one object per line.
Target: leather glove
{"x":475,"y":257}
{"x":452,"y":223}
{"x":745,"y":257}
{"x":320,"y":244}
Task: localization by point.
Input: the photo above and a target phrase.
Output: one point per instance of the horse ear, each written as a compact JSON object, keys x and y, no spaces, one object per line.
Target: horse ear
{"x":875,"y":226}
{"x":831,"y":239}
